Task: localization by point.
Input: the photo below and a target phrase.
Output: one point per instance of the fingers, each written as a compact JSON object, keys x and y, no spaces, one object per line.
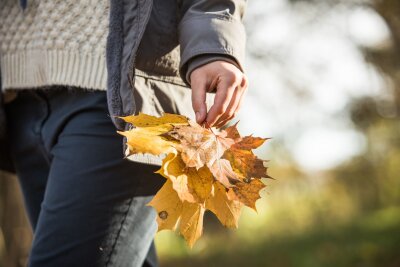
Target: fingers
{"x":230,"y":84}
{"x":230,"y":109}
{"x":223,"y":97}
{"x":228,"y":113}
{"x":235,"y":104}
{"x":199,"y":100}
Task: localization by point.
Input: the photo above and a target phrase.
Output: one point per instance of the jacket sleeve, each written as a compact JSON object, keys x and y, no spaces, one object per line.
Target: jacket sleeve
{"x":211,"y":27}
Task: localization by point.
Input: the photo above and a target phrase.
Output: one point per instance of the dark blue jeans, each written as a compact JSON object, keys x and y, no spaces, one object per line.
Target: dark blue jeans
{"x":86,"y":204}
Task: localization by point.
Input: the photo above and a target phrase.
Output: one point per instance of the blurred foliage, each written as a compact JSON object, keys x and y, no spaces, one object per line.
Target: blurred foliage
{"x":347,"y":216}
{"x":366,"y":241}
{"x":15,"y":232}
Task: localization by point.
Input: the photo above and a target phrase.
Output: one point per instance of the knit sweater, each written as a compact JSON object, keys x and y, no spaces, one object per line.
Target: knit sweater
{"x":52,"y":42}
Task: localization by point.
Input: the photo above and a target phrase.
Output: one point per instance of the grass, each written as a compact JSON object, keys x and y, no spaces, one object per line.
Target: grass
{"x":368,"y":241}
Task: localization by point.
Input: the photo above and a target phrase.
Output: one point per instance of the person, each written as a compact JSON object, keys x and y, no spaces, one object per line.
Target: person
{"x":68,"y":70}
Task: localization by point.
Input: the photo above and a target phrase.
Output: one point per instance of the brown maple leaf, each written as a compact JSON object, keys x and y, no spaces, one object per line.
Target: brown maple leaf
{"x":200,"y":147}
{"x":247,"y":192}
{"x":241,"y":157}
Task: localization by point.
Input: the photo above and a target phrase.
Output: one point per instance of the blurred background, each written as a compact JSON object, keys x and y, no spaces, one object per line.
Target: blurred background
{"x":325,"y":85}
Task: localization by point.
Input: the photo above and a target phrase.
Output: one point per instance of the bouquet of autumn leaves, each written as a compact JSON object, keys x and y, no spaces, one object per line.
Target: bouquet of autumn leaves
{"x":206,"y":169}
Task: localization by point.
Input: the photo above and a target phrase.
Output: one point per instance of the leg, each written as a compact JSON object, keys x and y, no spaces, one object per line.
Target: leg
{"x":93,"y":212}
{"x":24,"y":116}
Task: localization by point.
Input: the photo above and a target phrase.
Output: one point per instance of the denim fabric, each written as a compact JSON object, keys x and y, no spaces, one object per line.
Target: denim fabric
{"x":85,"y":202}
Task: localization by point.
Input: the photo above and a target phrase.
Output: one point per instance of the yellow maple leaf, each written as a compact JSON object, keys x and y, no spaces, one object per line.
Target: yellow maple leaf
{"x":144,"y":120}
{"x":191,"y":223}
{"x":148,"y":137}
{"x":191,"y":185}
{"x":227,"y":210}
{"x":168,"y":206}
{"x":171,"y":211}
{"x":148,"y":140}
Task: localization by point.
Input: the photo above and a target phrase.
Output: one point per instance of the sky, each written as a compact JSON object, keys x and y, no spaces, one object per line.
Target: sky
{"x":305,"y":65}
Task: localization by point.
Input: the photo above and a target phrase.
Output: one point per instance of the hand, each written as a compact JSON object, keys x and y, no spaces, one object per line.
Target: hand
{"x":231,"y":85}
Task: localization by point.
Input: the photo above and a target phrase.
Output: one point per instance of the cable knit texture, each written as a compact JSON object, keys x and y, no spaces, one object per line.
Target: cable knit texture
{"x":53,"y":42}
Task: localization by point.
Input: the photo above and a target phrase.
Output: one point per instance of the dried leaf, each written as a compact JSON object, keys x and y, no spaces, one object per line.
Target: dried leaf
{"x":247,"y":193}
{"x":171,"y":210}
{"x":148,"y":137}
{"x":243,"y":161}
{"x":222,"y":171}
{"x":148,"y":140}
{"x":144,"y":120}
{"x":168,"y":206}
{"x":232,"y":132}
{"x":226,"y":210}
{"x":204,"y":169}
{"x":200,"y":146}
{"x":190,"y":184}
{"x":191,"y":223}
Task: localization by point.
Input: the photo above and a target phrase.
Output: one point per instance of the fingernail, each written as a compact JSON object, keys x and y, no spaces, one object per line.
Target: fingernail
{"x":197,"y":116}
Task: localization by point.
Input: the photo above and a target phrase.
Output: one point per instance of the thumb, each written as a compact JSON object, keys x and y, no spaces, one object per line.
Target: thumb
{"x":199,"y":100}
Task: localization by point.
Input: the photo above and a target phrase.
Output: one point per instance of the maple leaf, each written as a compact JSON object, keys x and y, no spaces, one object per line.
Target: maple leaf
{"x":201,"y":146}
{"x":223,"y":172}
{"x":168,"y":206}
{"x":242,"y":159}
{"x":190,"y":184}
{"x":148,"y":137}
{"x":171,"y":211}
{"x":247,"y":193}
{"x":226,"y":210}
{"x":144,"y":120}
{"x":205,"y":169}
{"x":191,"y":223}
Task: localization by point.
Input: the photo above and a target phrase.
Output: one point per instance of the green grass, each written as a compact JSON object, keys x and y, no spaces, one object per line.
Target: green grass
{"x":368,"y":241}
